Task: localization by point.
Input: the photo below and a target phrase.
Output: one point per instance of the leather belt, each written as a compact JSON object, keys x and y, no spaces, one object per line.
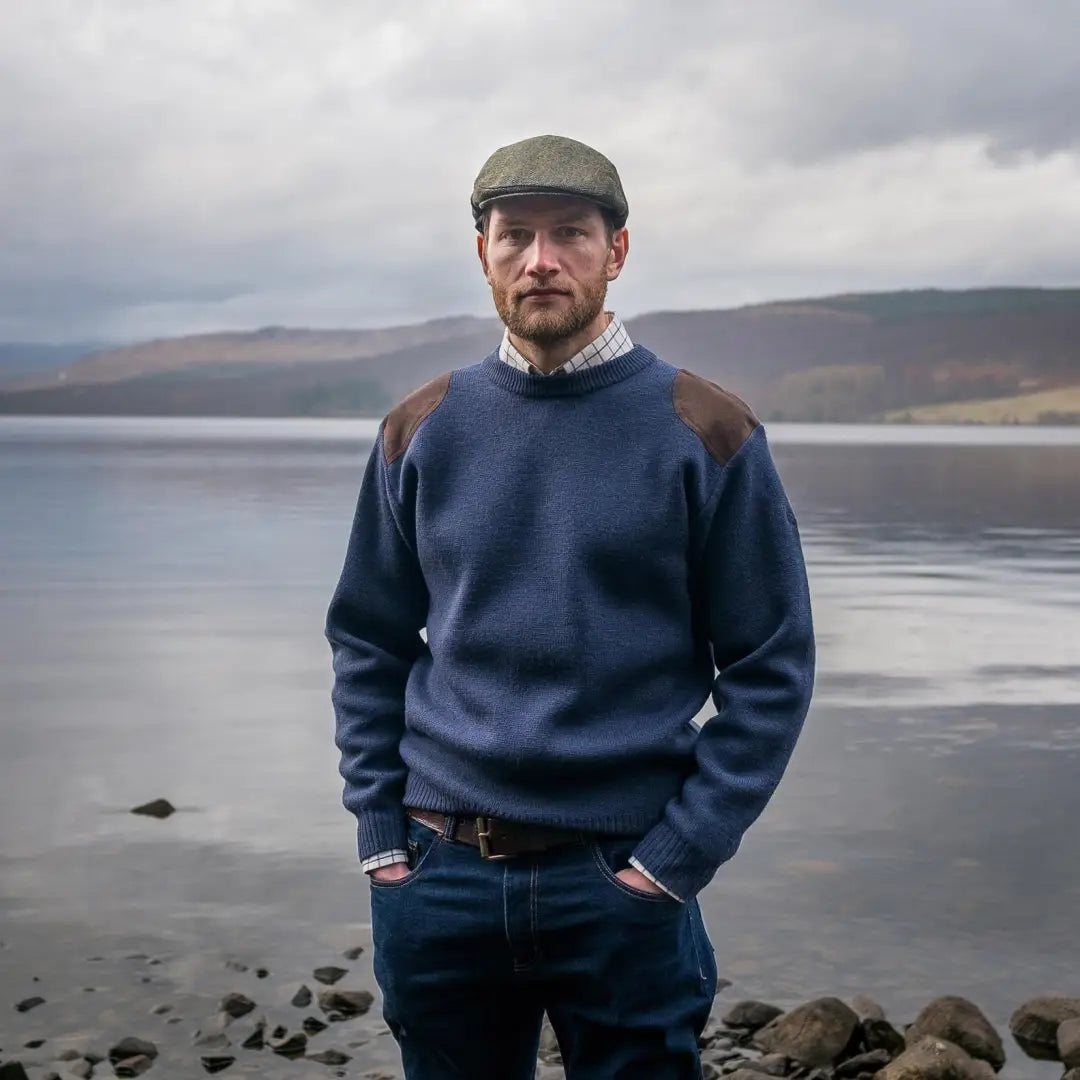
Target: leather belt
{"x":495,"y":837}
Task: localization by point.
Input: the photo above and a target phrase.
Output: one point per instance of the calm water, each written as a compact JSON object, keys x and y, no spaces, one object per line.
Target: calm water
{"x":162,"y":591}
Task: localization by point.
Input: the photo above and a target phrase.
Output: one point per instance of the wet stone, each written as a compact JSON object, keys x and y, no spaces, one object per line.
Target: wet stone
{"x":330,"y":1056}
{"x":133,"y":1066}
{"x":751,"y":1015}
{"x":870,"y":1062}
{"x":345,"y":1004}
{"x":157,"y":808}
{"x":236,"y":1005}
{"x":288,"y":1045}
{"x":329,"y":975}
{"x":132,"y":1047}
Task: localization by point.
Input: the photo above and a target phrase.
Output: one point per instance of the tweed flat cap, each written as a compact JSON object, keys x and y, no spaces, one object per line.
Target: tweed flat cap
{"x":549,"y":165}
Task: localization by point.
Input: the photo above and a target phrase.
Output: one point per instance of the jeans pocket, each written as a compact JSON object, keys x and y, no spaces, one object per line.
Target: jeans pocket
{"x":703,"y":949}
{"x":612,"y":854}
{"x":421,"y":843}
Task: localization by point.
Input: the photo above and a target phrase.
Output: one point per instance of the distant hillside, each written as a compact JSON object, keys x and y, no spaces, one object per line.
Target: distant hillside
{"x":1060,"y":406}
{"x":272,"y":346}
{"x":19,"y":359}
{"x":876,"y":356}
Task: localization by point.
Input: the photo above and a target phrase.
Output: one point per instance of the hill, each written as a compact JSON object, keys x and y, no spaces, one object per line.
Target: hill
{"x":1047,"y":407}
{"x":874,"y":356}
{"x":21,"y":359}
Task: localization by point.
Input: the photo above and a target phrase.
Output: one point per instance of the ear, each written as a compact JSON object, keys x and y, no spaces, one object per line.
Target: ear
{"x":620,"y":248}
{"x":481,"y":254}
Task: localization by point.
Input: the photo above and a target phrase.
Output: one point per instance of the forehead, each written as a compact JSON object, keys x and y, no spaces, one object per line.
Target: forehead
{"x":543,"y":209}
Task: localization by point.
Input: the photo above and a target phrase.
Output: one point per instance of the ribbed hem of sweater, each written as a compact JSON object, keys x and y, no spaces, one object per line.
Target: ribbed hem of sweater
{"x":577,"y":382}
{"x":420,"y":794}
{"x":378,"y":831}
{"x":681,"y":867}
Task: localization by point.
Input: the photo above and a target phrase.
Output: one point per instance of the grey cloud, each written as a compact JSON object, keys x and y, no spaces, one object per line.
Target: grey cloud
{"x":167,"y":166}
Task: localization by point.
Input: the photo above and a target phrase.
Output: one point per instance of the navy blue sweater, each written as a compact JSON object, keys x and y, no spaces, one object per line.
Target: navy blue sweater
{"x":590,"y":556}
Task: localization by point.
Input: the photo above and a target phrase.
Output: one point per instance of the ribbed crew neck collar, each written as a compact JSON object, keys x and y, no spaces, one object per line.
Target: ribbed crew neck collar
{"x":577,"y":382}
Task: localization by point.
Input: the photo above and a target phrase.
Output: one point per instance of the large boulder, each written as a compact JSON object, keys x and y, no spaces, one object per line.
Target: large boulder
{"x":1068,"y":1040}
{"x":814,"y":1034}
{"x":959,"y":1021}
{"x":1034,"y":1025}
{"x":931,"y":1058}
{"x":867,"y":1008}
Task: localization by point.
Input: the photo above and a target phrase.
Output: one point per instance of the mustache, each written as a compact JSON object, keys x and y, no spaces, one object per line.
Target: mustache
{"x":542,"y":288}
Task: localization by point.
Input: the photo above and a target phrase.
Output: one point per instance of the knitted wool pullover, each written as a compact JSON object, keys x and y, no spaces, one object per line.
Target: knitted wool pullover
{"x":591,"y":556}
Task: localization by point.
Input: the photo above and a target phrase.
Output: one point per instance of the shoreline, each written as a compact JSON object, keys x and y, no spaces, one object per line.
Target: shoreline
{"x":236,"y":1015}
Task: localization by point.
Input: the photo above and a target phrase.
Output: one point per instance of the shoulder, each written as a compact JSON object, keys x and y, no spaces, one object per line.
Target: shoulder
{"x":722,"y":421}
{"x":400,"y":423}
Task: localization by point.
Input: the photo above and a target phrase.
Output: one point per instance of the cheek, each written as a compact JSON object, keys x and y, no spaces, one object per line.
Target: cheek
{"x":503,"y":271}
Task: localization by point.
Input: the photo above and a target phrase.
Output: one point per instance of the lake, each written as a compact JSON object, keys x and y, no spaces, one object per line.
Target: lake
{"x":163,"y":585}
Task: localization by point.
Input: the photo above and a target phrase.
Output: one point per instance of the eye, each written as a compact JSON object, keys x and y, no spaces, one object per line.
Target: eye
{"x":571,"y":231}
{"x":513,"y":236}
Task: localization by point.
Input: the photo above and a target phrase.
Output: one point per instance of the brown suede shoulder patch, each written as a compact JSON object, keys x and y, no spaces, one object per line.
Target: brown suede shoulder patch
{"x":405,"y":417}
{"x":722,"y":421}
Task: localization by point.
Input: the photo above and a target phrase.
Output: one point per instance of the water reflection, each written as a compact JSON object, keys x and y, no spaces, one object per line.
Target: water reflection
{"x":162,"y":590}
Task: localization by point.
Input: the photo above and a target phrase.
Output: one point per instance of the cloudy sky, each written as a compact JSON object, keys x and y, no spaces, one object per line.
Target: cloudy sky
{"x":173,"y":167}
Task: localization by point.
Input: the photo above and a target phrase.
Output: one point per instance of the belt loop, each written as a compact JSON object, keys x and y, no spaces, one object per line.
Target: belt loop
{"x":449,"y":827}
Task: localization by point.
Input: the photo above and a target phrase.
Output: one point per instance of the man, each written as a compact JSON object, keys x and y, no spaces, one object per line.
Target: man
{"x":594,"y":541}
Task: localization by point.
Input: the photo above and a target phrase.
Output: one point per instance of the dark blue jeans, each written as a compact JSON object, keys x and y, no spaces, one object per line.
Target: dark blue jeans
{"x":470,"y":953}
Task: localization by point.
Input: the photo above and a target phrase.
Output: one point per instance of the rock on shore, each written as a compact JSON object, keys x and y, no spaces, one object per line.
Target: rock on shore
{"x":823,"y":1039}
{"x":1035,"y":1025}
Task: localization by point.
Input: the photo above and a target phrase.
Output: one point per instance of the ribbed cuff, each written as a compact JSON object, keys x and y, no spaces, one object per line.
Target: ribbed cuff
{"x":381,"y":830}
{"x":681,"y":867}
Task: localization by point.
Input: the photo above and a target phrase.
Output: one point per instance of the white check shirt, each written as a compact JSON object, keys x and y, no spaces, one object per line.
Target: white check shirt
{"x":613,"y":342}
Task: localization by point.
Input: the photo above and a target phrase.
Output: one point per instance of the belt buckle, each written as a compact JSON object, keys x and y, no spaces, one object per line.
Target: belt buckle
{"x":483,"y":835}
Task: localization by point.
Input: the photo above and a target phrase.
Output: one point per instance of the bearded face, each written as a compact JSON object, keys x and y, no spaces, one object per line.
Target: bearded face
{"x":548,"y":260}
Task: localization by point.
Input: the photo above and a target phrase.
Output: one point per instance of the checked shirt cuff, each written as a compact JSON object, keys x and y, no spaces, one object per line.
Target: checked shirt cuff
{"x":383,"y":858}
{"x":641,"y":870}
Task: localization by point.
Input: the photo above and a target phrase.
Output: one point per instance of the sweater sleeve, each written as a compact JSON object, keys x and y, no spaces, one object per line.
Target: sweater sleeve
{"x":756,"y":604}
{"x":373,"y":626}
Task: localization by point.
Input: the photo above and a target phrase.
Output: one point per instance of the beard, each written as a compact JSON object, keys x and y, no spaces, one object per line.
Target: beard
{"x":543,"y":327}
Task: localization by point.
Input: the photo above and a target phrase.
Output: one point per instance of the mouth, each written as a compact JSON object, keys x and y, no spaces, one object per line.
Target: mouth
{"x":543,"y":294}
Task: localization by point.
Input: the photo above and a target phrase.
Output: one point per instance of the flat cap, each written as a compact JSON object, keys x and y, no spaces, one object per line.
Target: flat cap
{"x":549,"y":165}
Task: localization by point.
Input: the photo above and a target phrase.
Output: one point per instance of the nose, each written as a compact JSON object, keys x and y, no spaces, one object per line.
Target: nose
{"x":542,"y":258}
